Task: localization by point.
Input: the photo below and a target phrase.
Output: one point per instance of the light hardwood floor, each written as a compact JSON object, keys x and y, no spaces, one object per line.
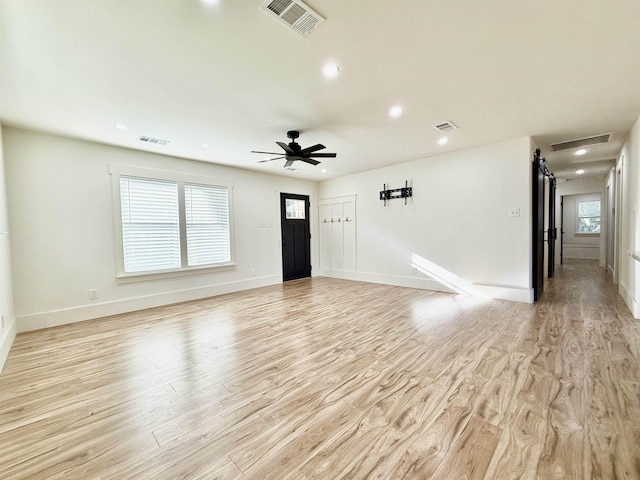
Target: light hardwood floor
{"x":330,"y":379}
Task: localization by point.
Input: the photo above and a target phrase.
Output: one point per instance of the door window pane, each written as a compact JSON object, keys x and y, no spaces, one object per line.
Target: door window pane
{"x":295,"y":209}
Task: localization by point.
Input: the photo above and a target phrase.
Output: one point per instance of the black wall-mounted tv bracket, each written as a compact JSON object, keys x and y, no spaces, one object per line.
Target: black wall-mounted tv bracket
{"x":405,"y":193}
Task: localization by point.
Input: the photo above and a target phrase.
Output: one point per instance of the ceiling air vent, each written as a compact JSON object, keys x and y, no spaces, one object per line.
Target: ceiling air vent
{"x":294,"y":14}
{"x":446,"y":127}
{"x":154,"y":141}
{"x":581,"y":142}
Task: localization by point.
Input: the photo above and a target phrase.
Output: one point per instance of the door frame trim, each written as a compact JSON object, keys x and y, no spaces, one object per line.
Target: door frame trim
{"x":313,"y":224}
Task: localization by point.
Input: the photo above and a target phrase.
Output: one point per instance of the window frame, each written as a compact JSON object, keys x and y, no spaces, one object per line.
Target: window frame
{"x":578,"y":217}
{"x":116,"y":171}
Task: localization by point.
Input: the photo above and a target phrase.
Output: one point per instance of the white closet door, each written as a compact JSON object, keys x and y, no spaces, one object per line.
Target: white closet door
{"x":338,"y":234}
{"x":337,"y":222}
{"x":349,"y":235}
{"x":326,"y":237}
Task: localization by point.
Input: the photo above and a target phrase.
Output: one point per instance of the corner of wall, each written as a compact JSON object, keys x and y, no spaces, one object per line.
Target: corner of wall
{"x":8,"y":336}
{"x":8,"y":329}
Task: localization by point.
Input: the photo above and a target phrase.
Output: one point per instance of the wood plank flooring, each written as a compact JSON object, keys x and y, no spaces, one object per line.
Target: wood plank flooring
{"x":330,"y":379}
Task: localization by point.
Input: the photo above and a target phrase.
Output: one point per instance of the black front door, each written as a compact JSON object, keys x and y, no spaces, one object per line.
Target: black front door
{"x":296,"y":236}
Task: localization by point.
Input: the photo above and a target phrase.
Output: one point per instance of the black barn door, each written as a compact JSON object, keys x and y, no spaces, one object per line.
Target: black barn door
{"x":296,"y":236}
{"x":552,"y":233}
{"x":537,"y":272}
{"x":561,"y":229}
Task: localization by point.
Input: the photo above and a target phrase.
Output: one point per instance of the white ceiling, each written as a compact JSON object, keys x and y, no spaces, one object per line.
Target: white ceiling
{"x":231,"y":76}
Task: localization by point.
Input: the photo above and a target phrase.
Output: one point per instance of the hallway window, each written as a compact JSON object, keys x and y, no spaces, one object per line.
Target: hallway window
{"x":589,"y":217}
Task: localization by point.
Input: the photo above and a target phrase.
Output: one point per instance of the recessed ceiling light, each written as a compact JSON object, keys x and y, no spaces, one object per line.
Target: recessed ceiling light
{"x":395,"y":111}
{"x":205,"y":145}
{"x":330,"y":70}
{"x":120,"y":126}
{"x":580,"y":172}
{"x":443,"y":141}
{"x":582,"y":151}
{"x":210,"y":2}
{"x":324,"y":170}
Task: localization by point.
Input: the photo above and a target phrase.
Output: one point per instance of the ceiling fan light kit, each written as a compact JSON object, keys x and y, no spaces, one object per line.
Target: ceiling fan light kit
{"x":294,"y":152}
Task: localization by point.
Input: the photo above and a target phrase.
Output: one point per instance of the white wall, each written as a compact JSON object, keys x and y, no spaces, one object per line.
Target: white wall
{"x":8,"y":328}
{"x":458,"y":218}
{"x":61,"y":221}
{"x":577,"y":245}
{"x":610,"y":209}
{"x":629,"y":275}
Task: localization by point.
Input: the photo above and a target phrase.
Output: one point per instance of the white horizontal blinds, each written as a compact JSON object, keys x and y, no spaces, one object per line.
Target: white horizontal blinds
{"x":207,"y":224}
{"x":589,"y":217}
{"x":150,"y":231}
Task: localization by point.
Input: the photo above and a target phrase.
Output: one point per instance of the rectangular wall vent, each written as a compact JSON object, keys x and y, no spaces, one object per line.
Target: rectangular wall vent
{"x":446,"y":126}
{"x":581,"y":142}
{"x":296,"y":15}
{"x":154,"y":141}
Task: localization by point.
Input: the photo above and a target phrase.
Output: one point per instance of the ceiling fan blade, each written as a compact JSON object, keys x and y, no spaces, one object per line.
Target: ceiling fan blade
{"x":288,"y":163}
{"x":286,"y":148}
{"x":270,"y":159}
{"x":267,"y":153}
{"x":314,"y":148}
{"x":323,"y":155}
{"x":311,"y":161}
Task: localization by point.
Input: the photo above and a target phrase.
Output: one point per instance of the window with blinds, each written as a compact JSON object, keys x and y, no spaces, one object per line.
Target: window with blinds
{"x":207,"y":224}
{"x":173,"y":225}
{"x":150,"y":230}
{"x":589,"y":217}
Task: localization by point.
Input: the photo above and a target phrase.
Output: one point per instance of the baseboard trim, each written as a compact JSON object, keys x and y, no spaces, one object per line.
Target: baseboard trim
{"x":630,"y":300}
{"x":54,"y":318}
{"x":6,"y":341}
{"x":514,"y":294}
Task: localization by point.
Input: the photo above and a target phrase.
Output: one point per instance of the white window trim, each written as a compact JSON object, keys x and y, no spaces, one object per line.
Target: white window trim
{"x":116,"y":171}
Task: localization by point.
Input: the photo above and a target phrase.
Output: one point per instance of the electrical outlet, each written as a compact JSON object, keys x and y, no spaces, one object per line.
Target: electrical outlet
{"x":93,"y":293}
{"x":514,"y":212}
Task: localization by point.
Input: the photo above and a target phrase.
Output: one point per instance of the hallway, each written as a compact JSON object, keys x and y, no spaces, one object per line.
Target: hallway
{"x":589,"y":347}
{"x":328,"y":379}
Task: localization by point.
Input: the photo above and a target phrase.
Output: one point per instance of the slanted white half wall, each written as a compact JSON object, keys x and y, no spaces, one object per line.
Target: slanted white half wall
{"x":8,"y":325}
{"x":61,"y":219}
{"x":467,"y":227}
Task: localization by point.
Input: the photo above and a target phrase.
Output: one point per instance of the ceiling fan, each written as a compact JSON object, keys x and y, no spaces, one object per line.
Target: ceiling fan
{"x":293,"y":151}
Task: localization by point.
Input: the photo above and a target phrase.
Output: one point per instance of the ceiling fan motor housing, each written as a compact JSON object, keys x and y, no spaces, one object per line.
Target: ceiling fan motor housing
{"x":293,"y":151}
